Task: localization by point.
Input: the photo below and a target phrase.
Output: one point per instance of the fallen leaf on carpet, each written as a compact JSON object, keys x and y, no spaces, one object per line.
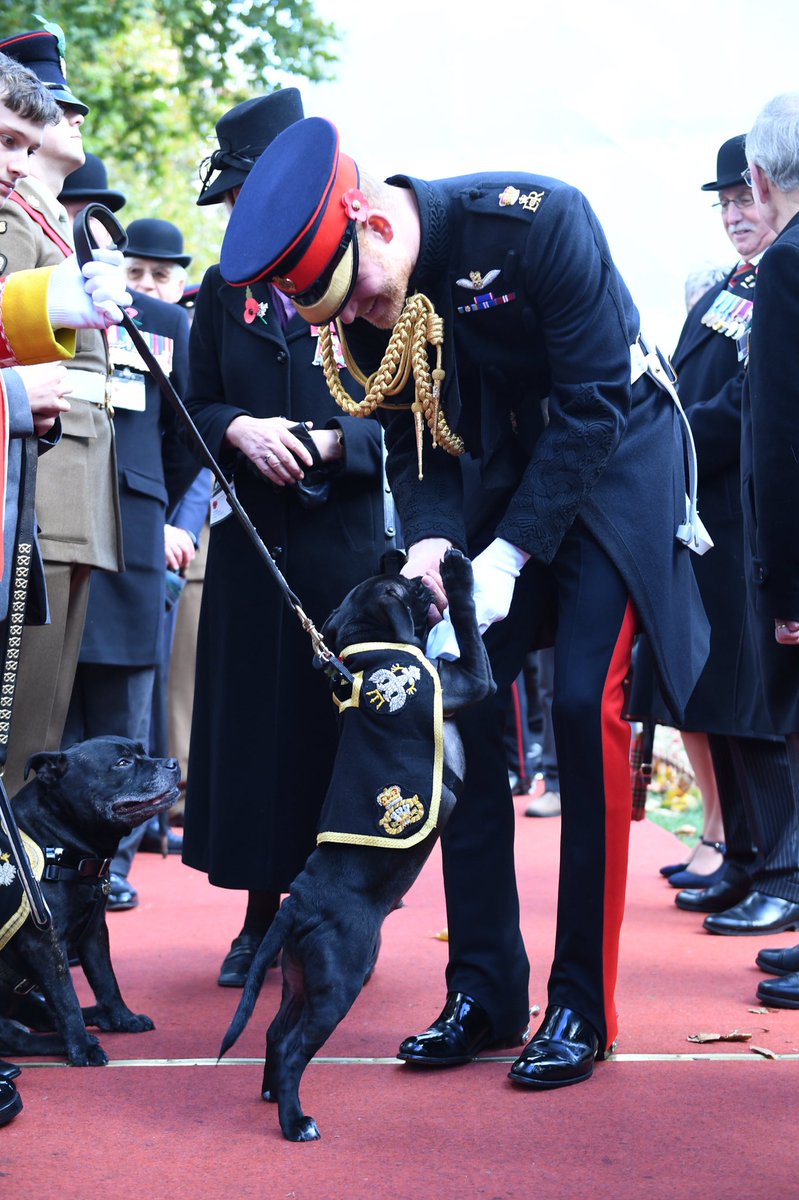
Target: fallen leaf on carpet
{"x":735,"y":1035}
{"x":763,"y":1051}
{"x":762,"y":1012}
{"x":442,"y":935}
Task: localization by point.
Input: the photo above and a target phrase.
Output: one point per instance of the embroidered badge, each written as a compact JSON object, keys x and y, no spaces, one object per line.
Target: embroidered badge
{"x":400,"y":812}
{"x":393,"y":686}
{"x":509,"y":196}
{"x":8,"y":872}
{"x":487,"y":300}
{"x":476,"y":280}
{"x":254,"y":310}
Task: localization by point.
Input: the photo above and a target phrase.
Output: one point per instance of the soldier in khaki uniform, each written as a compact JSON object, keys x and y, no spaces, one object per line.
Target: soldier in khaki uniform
{"x":76,"y":496}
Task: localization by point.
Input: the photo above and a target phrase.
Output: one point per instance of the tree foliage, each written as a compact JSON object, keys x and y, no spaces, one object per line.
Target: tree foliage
{"x":158,"y":74}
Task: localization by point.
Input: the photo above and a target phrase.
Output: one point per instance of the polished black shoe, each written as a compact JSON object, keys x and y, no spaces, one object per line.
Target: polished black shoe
{"x":9,"y":1070}
{"x":731,"y":890}
{"x":10,"y":1101}
{"x":121,"y":895}
{"x":563,"y":1051}
{"x":236,"y":964}
{"x":781,"y":993}
{"x":779,"y":962}
{"x":457,"y":1036}
{"x":756,"y":914}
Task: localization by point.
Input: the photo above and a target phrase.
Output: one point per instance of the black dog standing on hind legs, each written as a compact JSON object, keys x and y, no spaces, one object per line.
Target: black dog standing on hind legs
{"x":398,"y":765}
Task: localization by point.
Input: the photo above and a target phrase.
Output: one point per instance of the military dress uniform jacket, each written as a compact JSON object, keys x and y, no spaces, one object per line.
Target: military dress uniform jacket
{"x":264,"y":730}
{"x":125,"y":615}
{"x":76,"y":496}
{"x":539,"y":326}
{"x":769,"y":472}
{"x":728,"y":698}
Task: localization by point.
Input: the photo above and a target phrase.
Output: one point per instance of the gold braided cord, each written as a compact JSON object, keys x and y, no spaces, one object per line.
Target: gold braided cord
{"x":419,"y":325}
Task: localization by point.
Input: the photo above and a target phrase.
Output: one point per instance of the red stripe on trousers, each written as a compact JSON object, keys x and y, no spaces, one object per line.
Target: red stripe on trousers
{"x":618,"y":808}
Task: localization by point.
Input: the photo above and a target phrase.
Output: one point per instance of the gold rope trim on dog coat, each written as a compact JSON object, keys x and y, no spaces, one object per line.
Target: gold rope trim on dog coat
{"x":419,"y":325}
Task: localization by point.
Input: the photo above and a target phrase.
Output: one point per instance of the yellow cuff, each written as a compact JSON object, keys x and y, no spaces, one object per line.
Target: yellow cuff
{"x":26,"y":320}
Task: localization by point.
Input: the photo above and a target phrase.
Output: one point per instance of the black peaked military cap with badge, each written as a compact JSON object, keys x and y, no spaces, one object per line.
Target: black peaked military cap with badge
{"x":730,"y":165}
{"x":243,"y":134}
{"x":307,"y":248}
{"x":42,"y":52}
{"x":90,"y":183}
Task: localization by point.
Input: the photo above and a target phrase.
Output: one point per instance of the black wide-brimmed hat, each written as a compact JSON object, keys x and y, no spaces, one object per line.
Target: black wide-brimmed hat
{"x":730,"y":165}
{"x":39,"y":52}
{"x":150,"y":237}
{"x":295,"y":221}
{"x":243,"y":134}
{"x":90,"y":183}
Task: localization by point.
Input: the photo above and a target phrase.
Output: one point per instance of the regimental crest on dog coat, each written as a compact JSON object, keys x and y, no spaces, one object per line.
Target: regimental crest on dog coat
{"x":14,"y":906}
{"x":386,"y":783}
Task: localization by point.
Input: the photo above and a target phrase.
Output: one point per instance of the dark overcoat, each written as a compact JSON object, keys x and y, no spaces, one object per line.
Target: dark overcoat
{"x":125,"y":615}
{"x":728,"y":698}
{"x":770,"y":472}
{"x":537,"y":382}
{"x":264,"y":729}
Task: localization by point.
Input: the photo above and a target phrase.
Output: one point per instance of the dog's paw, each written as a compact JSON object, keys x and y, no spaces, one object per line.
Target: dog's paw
{"x":91,"y":1055}
{"x":137,"y":1023}
{"x":305,"y":1130}
{"x":456,"y":571}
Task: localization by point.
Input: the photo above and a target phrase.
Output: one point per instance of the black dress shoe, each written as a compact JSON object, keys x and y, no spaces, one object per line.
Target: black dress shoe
{"x":236,"y":964}
{"x":563,"y":1051}
{"x":457,"y":1036}
{"x":782,"y":993}
{"x":758,"y":913}
{"x":10,"y":1101}
{"x":779,"y":962}
{"x":733,"y":888}
{"x":9,"y":1070}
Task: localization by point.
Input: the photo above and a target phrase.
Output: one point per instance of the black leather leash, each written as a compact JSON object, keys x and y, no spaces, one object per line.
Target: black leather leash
{"x":84,"y":244}
{"x":17,"y":601}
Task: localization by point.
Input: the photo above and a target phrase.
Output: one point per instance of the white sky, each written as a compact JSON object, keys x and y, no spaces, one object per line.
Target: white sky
{"x":628,"y":101}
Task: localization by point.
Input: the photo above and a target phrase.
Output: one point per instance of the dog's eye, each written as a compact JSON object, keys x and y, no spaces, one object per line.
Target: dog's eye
{"x":124,"y":762}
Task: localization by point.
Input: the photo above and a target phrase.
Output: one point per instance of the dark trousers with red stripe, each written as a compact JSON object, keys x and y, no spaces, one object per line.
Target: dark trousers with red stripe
{"x":593,"y":645}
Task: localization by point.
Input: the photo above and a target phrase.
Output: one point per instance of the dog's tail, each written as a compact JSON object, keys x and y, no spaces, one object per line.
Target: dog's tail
{"x":265,"y":954}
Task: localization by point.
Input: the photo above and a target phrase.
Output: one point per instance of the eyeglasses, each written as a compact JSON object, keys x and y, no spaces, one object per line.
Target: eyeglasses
{"x":747,"y":176}
{"x":740,"y":202}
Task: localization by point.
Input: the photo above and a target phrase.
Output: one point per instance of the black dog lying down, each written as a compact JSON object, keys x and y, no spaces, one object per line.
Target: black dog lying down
{"x":329,"y":925}
{"x":82,"y":801}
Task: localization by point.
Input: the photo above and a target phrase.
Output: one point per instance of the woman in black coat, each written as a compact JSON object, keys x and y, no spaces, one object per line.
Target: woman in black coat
{"x":264,"y":726}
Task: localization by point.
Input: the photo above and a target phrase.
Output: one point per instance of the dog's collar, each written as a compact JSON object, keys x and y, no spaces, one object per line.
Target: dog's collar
{"x":60,"y":865}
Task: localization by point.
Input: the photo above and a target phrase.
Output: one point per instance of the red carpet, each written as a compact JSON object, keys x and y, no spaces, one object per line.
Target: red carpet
{"x":665,"y":1118}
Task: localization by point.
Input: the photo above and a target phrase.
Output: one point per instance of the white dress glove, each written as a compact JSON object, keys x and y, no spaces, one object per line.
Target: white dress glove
{"x":496,"y":570}
{"x":91,"y":298}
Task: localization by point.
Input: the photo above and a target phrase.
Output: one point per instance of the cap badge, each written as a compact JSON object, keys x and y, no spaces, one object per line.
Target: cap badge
{"x":531,"y":201}
{"x":509,"y":196}
{"x":476,"y":280}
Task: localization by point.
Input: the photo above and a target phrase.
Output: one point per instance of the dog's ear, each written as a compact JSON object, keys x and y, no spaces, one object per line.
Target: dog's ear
{"x":49,"y":765}
{"x":396,"y":617}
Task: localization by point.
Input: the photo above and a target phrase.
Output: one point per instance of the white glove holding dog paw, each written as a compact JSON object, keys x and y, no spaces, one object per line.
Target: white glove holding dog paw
{"x":495,"y":573}
{"x":496,"y":570}
{"x":91,"y":298}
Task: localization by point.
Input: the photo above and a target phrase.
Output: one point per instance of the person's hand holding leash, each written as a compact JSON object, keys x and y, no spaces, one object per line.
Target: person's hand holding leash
{"x":91,"y":298}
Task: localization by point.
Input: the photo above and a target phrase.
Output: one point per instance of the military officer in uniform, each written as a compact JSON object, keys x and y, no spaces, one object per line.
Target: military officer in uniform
{"x":531,"y":372}
{"x":77,"y":503}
